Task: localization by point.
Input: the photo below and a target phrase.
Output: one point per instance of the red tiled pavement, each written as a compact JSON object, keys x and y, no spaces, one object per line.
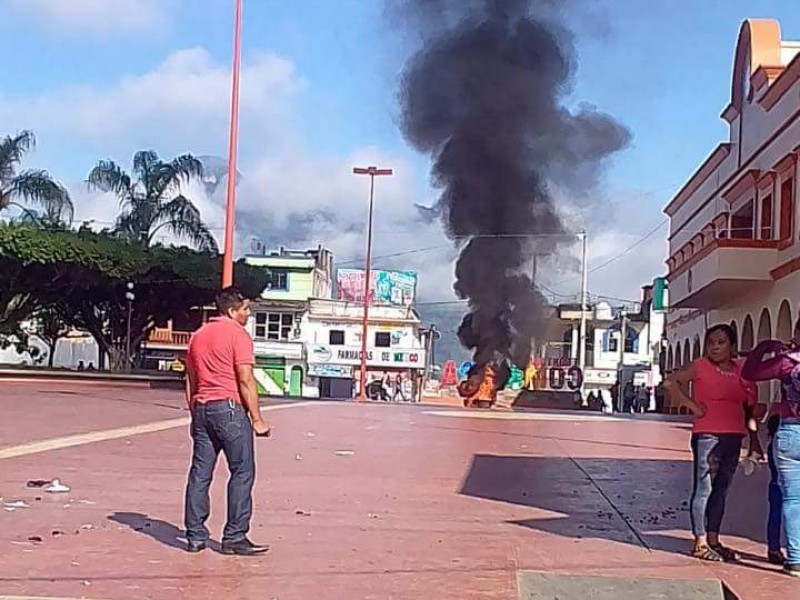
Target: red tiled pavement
{"x":429,"y":506}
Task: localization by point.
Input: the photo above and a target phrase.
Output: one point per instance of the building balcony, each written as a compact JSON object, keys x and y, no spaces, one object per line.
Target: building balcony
{"x":278,"y":349}
{"x":168,"y":339}
{"x":722,"y":270}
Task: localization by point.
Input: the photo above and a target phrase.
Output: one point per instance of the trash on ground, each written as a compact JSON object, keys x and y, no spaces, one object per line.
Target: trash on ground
{"x":56,"y":487}
{"x":298,"y":457}
{"x":373,"y":515}
{"x":36,"y":539}
{"x":88,"y":502}
{"x":87,"y":526}
{"x":38,"y":483}
{"x":56,"y":533}
{"x":311,"y":434}
{"x":16,"y":504}
{"x":302,"y":513}
{"x":345,"y":453}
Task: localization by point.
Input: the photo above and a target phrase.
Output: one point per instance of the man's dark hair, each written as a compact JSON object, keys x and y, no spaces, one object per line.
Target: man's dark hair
{"x":230,"y":298}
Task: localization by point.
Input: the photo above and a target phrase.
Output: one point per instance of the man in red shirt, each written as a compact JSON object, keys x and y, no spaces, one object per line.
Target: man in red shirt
{"x":223,"y":398}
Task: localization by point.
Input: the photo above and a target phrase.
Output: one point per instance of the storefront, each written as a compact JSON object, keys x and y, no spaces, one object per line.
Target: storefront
{"x":395,"y":353}
{"x":338,"y":369}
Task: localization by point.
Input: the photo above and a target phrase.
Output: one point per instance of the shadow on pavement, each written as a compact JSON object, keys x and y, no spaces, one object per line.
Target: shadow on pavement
{"x":161,"y":531}
{"x":638,"y":502}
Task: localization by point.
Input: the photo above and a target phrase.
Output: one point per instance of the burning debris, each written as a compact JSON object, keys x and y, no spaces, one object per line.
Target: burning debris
{"x":483,"y":97}
{"x":480,"y":388}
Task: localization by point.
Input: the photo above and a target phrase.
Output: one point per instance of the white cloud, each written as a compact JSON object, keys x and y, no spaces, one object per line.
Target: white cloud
{"x":290,"y":195}
{"x":105,"y":17}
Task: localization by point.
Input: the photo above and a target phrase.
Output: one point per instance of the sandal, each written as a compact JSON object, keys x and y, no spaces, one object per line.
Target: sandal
{"x":707,"y":553}
{"x":727,"y":554}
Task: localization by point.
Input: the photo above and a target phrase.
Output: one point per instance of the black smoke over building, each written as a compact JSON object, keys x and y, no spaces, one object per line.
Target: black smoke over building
{"x":484,"y":98}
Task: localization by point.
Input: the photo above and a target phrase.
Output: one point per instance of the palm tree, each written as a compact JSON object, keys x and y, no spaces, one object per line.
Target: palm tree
{"x":153,"y":203}
{"x":32,"y":187}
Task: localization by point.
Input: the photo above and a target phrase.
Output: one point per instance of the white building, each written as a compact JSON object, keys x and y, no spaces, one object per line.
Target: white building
{"x":332,"y":337}
{"x":733,"y":251}
{"x":622,"y":344}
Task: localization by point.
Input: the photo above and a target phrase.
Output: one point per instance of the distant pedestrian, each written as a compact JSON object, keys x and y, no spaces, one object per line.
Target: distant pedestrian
{"x":398,"y":388}
{"x":642,"y":403}
{"x":223,"y":399}
{"x":720,"y":396}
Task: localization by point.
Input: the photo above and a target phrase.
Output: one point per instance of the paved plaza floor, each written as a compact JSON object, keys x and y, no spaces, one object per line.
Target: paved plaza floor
{"x":369,"y":501}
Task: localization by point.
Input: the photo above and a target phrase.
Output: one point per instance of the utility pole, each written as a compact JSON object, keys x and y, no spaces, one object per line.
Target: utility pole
{"x":372,"y":172}
{"x":623,"y":336}
{"x":584,"y":308}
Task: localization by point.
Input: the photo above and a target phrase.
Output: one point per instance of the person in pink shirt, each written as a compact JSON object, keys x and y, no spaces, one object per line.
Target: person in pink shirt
{"x":223,"y":398}
{"x":721,"y":401}
{"x":773,"y":359}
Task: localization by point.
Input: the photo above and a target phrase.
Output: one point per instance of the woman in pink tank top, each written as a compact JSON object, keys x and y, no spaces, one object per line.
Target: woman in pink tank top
{"x":722,"y":403}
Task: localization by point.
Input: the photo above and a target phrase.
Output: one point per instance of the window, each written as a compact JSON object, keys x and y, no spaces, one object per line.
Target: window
{"x":274,"y":326}
{"x":631,"y":342}
{"x":278,"y":279}
{"x":336,"y":337}
{"x":787,"y":209}
{"x":742,"y":223}
{"x":383,"y":340}
{"x":766,"y":218}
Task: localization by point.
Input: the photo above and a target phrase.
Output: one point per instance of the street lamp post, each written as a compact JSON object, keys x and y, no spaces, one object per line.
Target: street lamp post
{"x":233,"y":143}
{"x":372,"y":172}
{"x":130,"y":297}
{"x":584,"y":309}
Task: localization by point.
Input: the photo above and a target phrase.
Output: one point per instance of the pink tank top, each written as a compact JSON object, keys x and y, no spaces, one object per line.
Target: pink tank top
{"x":723,"y":394}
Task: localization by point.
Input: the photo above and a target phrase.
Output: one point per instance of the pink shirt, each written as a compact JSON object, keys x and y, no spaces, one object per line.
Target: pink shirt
{"x":723,"y":394}
{"x":215,"y":350}
{"x":781,"y":366}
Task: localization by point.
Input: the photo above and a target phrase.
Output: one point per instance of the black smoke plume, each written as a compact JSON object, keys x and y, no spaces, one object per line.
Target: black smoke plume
{"x":484,"y":98}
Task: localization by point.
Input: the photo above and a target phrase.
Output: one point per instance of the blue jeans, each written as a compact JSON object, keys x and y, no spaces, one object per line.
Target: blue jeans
{"x":715,"y":460}
{"x":787,"y":459}
{"x":774,"y":521}
{"x":221,"y":427}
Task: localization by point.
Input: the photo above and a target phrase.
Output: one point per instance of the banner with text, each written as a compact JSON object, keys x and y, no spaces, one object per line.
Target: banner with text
{"x":385,"y":287}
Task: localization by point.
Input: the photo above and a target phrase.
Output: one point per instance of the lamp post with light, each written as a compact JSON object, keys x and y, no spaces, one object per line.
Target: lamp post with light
{"x":373,"y":172}
{"x":130,"y":297}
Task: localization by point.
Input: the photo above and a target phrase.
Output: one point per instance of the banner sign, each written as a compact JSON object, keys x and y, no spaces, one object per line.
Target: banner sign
{"x":385,"y":287}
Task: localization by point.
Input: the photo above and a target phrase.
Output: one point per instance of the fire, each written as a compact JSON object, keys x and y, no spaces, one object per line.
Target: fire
{"x":480,"y":388}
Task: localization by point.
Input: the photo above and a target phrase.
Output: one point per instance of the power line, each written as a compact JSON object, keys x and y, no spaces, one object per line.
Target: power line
{"x":621,"y":254}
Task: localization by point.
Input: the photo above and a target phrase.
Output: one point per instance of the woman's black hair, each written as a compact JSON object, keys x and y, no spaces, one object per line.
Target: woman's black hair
{"x":797,"y":324}
{"x":729,"y":332}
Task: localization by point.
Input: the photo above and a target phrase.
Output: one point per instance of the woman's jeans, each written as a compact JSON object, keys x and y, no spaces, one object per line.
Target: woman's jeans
{"x":787,"y":459}
{"x":774,"y":521}
{"x":715,"y":460}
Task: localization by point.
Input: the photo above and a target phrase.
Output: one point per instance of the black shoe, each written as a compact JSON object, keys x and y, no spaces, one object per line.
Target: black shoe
{"x":243,"y":548}
{"x":195,"y":546}
{"x":791,"y":570}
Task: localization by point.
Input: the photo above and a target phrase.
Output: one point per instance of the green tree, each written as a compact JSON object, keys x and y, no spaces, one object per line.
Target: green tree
{"x":153,"y":203}
{"x":30,"y":188}
{"x":50,"y":326}
{"x":84,"y":276}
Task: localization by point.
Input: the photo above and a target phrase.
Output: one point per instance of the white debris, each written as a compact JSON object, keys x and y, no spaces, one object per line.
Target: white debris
{"x":12,"y":506}
{"x":56,"y":487}
{"x":345,"y":453}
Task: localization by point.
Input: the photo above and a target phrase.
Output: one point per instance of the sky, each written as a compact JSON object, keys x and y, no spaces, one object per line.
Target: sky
{"x":98,"y":79}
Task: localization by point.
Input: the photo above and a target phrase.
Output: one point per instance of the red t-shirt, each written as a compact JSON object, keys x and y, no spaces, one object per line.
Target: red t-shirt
{"x":215,"y":350}
{"x":723,"y":394}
